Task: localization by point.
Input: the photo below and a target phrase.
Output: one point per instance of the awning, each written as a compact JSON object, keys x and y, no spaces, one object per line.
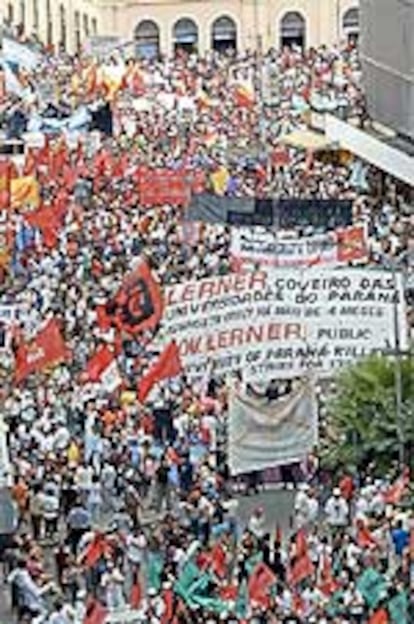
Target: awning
{"x":307,"y":140}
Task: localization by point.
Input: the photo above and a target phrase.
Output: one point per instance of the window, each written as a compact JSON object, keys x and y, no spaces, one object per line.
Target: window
{"x":350,"y":24}
{"x":10,"y":12}
{"x":293,"y":30}
{"x":94,"y":26}
{"x":22,"y":16}
{"x":147,"y":39}
{"x":35,"y":15}
{"x":77,"y":31}
{"x":49,"y":34}
{"x":62,"y":27}
{"x":224,"y":34}
{"x":185,"y":35}
{"x":86,"y":25}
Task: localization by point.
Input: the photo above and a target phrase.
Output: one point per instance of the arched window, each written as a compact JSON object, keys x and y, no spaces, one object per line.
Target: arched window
{"x":22,"y":16}
{"x":10,"y":13}
{"x":62,"y":26}
{"x":350,"y":24}
{"x":224,"y":34}
{"x":86,"y":25}
{"x":185,"y":35}
{"x":36,"y":15}
{"x":147,"y":39}
{"x":77,"y":31}
{"x":49,"y":35}
{"x":292,"y":30}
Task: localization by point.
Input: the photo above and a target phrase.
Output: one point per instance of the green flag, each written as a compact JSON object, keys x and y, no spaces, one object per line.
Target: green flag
{"x":371,"y":585}
{"x":398,"y":608}
{"x":252,"y":562}
{"x":154,"y":569}
{"x":242,"y":601}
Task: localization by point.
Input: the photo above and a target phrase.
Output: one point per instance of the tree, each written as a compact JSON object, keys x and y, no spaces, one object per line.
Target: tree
{"x":361,"y":424}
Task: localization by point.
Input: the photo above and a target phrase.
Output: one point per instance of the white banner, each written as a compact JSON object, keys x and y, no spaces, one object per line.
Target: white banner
{"x":255,"y":246}
{"x":280,"y":323}
{"x":265,"y":434}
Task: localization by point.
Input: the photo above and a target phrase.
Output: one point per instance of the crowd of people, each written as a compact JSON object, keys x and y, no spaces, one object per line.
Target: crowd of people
{"x":125,"y":509}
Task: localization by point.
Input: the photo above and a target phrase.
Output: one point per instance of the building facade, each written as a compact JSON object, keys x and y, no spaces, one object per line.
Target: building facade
{"x":162,"y":26}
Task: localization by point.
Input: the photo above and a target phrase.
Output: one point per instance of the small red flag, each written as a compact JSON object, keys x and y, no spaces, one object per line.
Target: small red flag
{"x":100,"y":360}
{"x":397,"y":490}
{"x":95,"y":550}
{"x":47,"y":349}
{"x":365,"y":539}
{"x":48,"y":221}
{"x":260,"y":581}
{"x":168,"y":598}
{"x":327,"y":583}
{"x":5,"y":177}
{"x":168,"y":365}
{"x":302,"y":566}
{"x":136,"y":592}
{"x":95,"y":613}
{"x":379,"y":617}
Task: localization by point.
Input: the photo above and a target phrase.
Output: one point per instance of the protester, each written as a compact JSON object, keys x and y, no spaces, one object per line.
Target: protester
{"x":128,"y":480}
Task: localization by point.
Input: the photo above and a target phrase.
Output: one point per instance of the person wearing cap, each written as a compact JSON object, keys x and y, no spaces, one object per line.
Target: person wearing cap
{"x":336,"y":510}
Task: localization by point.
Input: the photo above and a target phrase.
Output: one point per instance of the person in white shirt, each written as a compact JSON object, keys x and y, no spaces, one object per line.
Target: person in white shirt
{"x":336,"y":510}
{"x":257,"y":522}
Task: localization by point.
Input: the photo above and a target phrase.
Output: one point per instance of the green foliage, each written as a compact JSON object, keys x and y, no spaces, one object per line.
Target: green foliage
{"x":362,"y":414}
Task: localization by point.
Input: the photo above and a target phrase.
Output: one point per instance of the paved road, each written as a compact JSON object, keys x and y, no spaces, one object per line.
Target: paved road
{"x":278,"y":506}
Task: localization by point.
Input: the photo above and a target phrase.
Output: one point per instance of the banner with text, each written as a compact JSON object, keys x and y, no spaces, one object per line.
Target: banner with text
{"x":265,"y":434}
{"x":280,"y":323}
{"x":251,"y":247}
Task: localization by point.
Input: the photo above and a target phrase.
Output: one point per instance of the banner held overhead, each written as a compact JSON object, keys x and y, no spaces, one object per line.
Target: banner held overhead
{"x":280,"y":323}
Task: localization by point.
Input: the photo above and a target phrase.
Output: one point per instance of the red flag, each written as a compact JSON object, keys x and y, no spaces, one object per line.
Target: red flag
{"x":301,"y":569}
{"x":379,"y":617}
{"x":96,"y":549}
{"x":302,"y":566}
{"x":5,"y":177}
{"x":168,"y":597}
{"x":397,"y":490}
{"x":136,"y":592}
{"x":168,"y":365}
{"x":138,"y":306}
{"x":260,"y":581}
{"x":327,"y":583}
{"x":218,"y":560}
{"x":215,"y":560}
{"x":103,"y":368}
{"x":103,"y":319}
{"x":46,"y":349}
{"x":100,"y":360}
{"x":301,"y":543}
{"x":30,"y":165}
{"x":95,"y":613}
{"x":365,"y":539}
{"x":48,"y":221}
{"x":229,"y":592}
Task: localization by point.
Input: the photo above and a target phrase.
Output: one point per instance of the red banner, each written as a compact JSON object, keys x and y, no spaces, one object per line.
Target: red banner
{"x":161,"y":186}
{"x":168,"y":365}
{"x":46,"y":349}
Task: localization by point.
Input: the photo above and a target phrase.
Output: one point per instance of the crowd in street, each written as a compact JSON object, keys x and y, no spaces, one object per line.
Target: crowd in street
{"x":128,"y":506}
